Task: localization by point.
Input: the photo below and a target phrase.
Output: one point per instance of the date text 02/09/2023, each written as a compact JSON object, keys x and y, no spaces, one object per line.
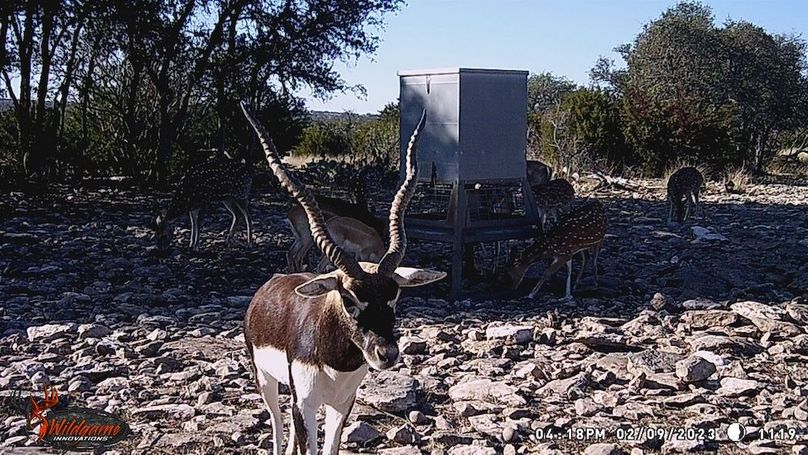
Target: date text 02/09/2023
{"x":626,"y":433}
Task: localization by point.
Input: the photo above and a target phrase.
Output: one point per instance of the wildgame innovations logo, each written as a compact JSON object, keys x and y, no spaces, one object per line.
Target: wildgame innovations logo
{"x":68,"y":427}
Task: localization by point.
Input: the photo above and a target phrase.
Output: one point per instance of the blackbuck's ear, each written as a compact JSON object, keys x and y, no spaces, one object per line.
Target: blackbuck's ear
{"x":318,"y":286}
{"x":408,"y":277}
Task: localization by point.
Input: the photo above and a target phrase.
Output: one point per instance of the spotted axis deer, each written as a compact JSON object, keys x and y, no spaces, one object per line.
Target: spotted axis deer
{"x":683,"y":189}
{"x":355,"y":237}
{"x":580,"y":231}
{"x":319,"y":333}
{"x":538,"y":173}
{"x":215,"y":180}
{"x":552,"y":197}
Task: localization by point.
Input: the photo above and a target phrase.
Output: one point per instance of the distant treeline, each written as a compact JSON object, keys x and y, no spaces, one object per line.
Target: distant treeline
{"x":689,"y":91}
{"x":137,"y":87}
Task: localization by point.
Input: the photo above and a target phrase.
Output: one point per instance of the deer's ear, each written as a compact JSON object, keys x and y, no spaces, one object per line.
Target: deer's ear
{"x":408,"y":277}
{"x":318,"y":286}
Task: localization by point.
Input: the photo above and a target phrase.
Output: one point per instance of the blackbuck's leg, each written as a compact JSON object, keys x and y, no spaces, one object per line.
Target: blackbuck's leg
{"x":335,"y":417}
{"x":268,"y":386}
{"x":291,"y":443}
{"x":551,"y":269}
{"x":232,"y":210}
{"x":305,"y":403}
{"x":194,"y":214}
{"x":244,"y":207}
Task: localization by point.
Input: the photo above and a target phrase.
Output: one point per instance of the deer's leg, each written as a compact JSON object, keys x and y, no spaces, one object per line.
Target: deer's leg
{"x":268,"y":386}
{"x":497,"y":254}
{"x":194,"y":214}
{"x":232,"y":210}
{"x":581,"y":271}
{"x":551,"y":269}
{"x":687,"y":205}
{"x":290,"y":255}
{"x":244,"y":208}
{"x":569,"y":278}
{"x":670,"y":212}
{"x":305,"y":402}
{"x":595,"y":254}
{"x":335,"y":417}
{"x":307,"y":242}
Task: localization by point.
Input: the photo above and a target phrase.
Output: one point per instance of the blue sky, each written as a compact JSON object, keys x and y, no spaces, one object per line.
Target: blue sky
{"x":563,"y":37}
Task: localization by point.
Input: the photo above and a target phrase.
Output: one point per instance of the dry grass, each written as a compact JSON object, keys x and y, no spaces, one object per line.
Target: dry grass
{"x":736,"y":180}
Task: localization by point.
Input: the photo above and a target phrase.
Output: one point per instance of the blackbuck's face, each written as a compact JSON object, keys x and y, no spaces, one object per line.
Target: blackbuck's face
{"x":370,"y":301}
{"x":369,"y":304}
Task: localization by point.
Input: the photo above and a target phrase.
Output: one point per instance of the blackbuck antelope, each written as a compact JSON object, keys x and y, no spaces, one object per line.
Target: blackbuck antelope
{"x":580,"y":231}
{"x":355,"y":237}
{"x":683,"y":189}
{"x":319,"y":333}
{"x":215,"y":180}
{"x":538,"y":173}
{"x":552,"y":197}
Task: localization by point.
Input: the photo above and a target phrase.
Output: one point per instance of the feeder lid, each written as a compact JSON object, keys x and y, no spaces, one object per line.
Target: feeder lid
{"x":434,"y":71}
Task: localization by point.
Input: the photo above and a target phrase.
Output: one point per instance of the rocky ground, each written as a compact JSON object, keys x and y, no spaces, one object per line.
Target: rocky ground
{"x":694,"y":326}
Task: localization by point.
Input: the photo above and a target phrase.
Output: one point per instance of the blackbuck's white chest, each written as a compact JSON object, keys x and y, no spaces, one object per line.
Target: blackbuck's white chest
{"x":324,"y":383}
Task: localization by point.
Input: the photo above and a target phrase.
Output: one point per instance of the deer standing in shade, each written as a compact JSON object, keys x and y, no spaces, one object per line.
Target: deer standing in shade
{"x":683,"y":190}
{"x":215,"y":180}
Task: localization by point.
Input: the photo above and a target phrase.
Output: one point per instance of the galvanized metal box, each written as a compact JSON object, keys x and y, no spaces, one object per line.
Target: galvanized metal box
{"x":476,"y":127}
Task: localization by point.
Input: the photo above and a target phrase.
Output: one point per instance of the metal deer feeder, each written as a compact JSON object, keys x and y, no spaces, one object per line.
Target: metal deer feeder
{"x":472,"y":184}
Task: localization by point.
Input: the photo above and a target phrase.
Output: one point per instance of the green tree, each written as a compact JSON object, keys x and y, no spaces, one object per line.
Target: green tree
{"x":132,"y":81}
{"x":546,"y":90}
{"x":377,"y":141}
{"x":674,"y":91}
{"x":766,"y":82}
{"x":325,"y":140}
{"x":594,"y":117}
{"x":694,"y":91}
